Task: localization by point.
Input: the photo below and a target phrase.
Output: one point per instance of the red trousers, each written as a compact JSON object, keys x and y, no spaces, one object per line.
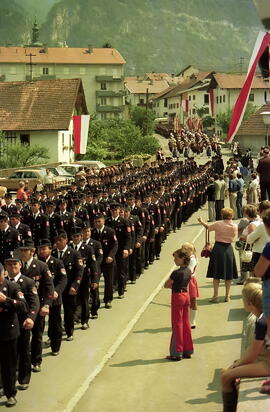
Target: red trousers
{"x":181,"y":340}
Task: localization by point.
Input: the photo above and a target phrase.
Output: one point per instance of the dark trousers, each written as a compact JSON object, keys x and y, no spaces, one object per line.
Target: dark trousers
{"x":239,"y":205}
{"x":95,"y":301}
{"x":69,"y":305}
{"x":152,"y":251}
{"x":146,"y":252}
{"x":24,"y":357}
{"x":265,"y":190}
{"x":219,"y":204}
{"x":158,"y":241}
{"x":138,"y":259}
{"x":132,"y":266}
{"x":36,"y":342}
{"x":121,"y":272}
{"x":8,"y":362}
{"x":84,"y":295}
{"x":107,"y":270}
{"x":55,"y":330}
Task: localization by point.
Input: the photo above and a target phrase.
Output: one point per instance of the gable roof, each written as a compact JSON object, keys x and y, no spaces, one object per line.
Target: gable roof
{"x":236,"y":81}
{"x":40,"y":105}
{"x":254,"y":126}
{"x":60,"y":55}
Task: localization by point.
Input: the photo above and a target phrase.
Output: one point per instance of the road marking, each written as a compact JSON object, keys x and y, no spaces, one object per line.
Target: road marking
{"x":83,"y":388}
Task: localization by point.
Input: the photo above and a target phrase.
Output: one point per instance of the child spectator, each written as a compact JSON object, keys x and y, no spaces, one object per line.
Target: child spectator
{"x":193,"y":289}
{"x":181,"y":345}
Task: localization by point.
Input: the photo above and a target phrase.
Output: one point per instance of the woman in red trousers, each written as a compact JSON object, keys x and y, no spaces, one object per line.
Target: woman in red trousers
{"x":181,"y":341}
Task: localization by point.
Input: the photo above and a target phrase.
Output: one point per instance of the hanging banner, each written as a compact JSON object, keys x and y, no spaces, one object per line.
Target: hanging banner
{"x":80,"y":131}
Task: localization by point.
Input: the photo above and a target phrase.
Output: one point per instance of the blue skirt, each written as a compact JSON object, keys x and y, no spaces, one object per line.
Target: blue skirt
{"x":222,"y":264}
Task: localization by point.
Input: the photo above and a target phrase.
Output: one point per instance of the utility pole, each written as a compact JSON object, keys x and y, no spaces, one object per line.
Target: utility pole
{"x":147,"y":103}
{"x":31,"y":64}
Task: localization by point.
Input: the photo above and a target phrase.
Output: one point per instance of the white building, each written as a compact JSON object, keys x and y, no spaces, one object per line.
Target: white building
{"x":139,"y":91}
{"x":41,"y":113}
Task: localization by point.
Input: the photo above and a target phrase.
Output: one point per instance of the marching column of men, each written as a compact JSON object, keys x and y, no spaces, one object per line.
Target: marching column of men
{"x":55,"y":247}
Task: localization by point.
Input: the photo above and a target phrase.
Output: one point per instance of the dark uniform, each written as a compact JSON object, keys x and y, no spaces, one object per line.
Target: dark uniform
{"x":24,"y":232}
{"x":39,"y":226}
{"x":74,"y":267}
{"x":90,"y":275}
{"x":29,"y":290}
{"x":136,"y":237}
{"x":9,"y":241}
{"x":39,"y":272}
{"x":94,"y":293}
{"x":56,"y":224}
{"x":9,"y":331}
{"x":59,"y":275}
{"x":109,"y":244}
{"x":68,"y":222}
{"x":123,"y":235}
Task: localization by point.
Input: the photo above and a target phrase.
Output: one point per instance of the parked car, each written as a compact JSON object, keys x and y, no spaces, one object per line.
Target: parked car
{"x":71,"y":168}
{"x":32,"y":176}
{"x":59,"y":171}
{"x":91,"y":163}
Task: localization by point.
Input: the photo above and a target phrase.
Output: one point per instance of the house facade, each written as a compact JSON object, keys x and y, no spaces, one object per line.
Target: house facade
{"x":101,"y":71}
{"x":41,"y":113}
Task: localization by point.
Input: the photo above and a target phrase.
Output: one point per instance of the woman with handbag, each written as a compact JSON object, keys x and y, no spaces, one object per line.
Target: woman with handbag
{"x":222,"y":264}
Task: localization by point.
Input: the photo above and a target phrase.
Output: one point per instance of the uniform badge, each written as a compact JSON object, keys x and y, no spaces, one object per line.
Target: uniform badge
{"x":49,"y":273}
{"x":20,"y":295}
{"x":63,"y":271}
{"x":34,"y":290}
{"x":80,"y":262}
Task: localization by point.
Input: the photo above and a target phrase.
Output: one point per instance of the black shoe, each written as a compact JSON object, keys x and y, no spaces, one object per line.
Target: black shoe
{"x":94,"y":316}
{"x":85,"y":326}
{"x":55,"y":353}
{"x":157,"y":257}
{"x":36,"y":368}
{"x":133,"y":282}
{"x":121,"y":297}
{"x":11,"y":402}
{"x":108,"y":305}
{"x":23,"y":386}
{"x":186,"y":356}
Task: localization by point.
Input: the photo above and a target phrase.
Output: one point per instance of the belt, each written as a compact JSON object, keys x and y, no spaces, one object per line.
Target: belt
{"x":180,"y":291}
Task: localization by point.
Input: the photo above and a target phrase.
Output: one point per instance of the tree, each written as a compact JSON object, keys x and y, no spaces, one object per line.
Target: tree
{"x":224,"y":119}
{"x":143,"y":118}
{"x":208,"y":121}
{"x":19,"y":155}
{"x":116,"y":139}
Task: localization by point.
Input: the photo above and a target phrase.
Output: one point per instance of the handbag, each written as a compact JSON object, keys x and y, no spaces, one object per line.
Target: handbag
{"x":246,"y":255}
{"x":207,"y":249}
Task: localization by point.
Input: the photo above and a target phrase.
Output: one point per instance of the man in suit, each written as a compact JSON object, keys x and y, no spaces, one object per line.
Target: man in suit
{"x":73,"y":263}
{"x":263,"y":169}
{"x":106,"y":236}
{"x":12,"y":303}
{"x":55,"y":221}
{"x":23,"y":229}
{"x":40,"y":273}
{"x":38,"y":222}
{"x":13,"y":267}
{"x":9,"y":238}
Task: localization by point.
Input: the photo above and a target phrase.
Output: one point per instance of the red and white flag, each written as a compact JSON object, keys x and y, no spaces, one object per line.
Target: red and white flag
{"x":262,"y":42}
{"x":80,"y":131}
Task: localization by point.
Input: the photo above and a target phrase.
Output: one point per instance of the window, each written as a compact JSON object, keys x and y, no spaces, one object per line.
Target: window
{"x":224,"y":98}
{"x":30,"y":175}
{"x":193,"y":111}
{"x":189,"y":98}
{"x":25,"y":139}
{"x":13,"y":70}
{"x":251,"y":97}
{"x":194,"y":97}
{"x":45,"y":71}
{"x":220,"y":99}
{"x":103,"y":86}
{"x":141,"y":101}
{"x":206,"y":99}
{"x":82,"y":70}
{"x":11,"y":137}
{"x":16,"y":175}
{"x":66,"y":70}
{"x":177,"y":105}
{"x":63,"y":139}
{"x":103,"y":101}
{"x":165,"y":102}
{"x":103,"y":116}
{"x":217,"y":99}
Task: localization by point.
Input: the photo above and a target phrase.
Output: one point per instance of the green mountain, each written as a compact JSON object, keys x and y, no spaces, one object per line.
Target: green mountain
{"x":152,"y":35}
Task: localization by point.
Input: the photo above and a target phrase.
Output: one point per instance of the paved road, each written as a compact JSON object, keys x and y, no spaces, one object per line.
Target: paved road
{"x":122,"y":355}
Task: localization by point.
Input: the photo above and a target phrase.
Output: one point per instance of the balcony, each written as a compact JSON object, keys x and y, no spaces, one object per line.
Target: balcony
{"x":110,"y":93}
{"x":109,"y":109}
{"x":41,"y":77}
{"x":109,"y":79}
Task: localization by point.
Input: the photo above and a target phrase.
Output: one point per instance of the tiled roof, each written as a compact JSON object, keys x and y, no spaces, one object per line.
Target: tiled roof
{"x":39,"y":105}
{"x":140,"y":86}
{"x":254,"y":126}
{"x":236,"y":81}
{"x":60,"y":55}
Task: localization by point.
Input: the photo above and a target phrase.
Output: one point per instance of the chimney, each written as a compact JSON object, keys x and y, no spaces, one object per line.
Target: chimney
{"x":90,"y":49}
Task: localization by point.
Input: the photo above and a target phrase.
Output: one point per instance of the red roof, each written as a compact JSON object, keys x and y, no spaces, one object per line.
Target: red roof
{"x":40,"y":105}
{"x":60,"y":55}
{"x":236,"y":81}
{"x":255,"y":126}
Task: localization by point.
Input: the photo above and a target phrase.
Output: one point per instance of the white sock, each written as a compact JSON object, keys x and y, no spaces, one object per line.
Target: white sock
{"x":193,"y":314}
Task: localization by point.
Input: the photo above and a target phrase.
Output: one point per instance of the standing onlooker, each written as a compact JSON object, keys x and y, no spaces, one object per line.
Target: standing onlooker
{"x":240,"y":193}
{"x":263,"y":169}
{"x":222,"y":263}
{"x":49,"y":180}
{"x":181,"y":345}
{"x":220,"y":191}
{"x":233,"y":189}
{"x":211,"y":200}
{"x":253,"y":190}
{"x":21,"y":193}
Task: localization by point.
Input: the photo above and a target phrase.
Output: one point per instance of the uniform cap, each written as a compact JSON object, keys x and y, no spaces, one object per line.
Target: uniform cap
{"x":44,"y":242}
{"x":77,"y":230}
{"x":27,"y":244}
